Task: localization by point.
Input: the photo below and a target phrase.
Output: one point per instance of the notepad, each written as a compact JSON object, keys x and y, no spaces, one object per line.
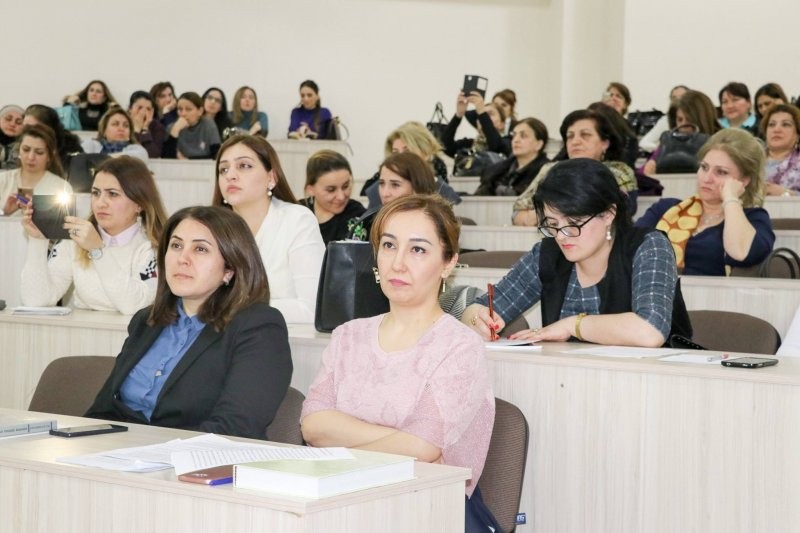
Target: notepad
{"x":513,"y":345}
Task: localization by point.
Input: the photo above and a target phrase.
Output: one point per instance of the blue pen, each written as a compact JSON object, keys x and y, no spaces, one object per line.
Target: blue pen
{"x":23,"y":199}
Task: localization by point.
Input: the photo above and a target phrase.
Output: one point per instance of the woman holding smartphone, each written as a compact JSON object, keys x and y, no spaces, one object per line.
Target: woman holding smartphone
{"x":40,"y":170}
{"x":210,"y":354}
{"x":109,"y":258}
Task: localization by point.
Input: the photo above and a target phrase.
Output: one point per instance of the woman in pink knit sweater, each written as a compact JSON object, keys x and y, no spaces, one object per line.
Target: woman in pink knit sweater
{"x":413,"y":381}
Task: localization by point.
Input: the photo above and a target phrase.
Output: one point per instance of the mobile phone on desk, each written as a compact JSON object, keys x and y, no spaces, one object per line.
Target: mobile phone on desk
{"x":83,"y":431}
{"x":49,"y":211}
{"x":750,"y":362}
{"x":474,"y":83}
{"x":217,"y":475}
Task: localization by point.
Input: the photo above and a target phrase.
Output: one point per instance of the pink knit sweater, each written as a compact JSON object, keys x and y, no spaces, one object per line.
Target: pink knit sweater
{"x":438,"y":391}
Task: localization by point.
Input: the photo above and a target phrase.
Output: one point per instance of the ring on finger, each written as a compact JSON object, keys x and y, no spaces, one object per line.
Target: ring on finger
{"x":75,"y":232}
{"x":536,"y":331}
{"x":474,"y":321}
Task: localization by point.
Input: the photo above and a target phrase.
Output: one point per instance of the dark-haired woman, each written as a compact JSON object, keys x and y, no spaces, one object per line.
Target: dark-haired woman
{"x":250,"y":181}
{"x":115,"y":135}
{"x":329,"y":184}
{"x":309,"y":119}
{"x":92,"y":103}
{"x":512,"y":176}
{"x":147,"y":129}
{"x":598,"y":278}
{"x":192,"y":136}
{"x":586,"y":134}
{"x":737,"y":108}
{"x":768,"y":95}
{"x":109,"y":258}
{"x":67,"y":143}
{"x":215,"y":107}
{"x":210,"y":354}
{"x":163,"y":94}
{"x":10,"y":128}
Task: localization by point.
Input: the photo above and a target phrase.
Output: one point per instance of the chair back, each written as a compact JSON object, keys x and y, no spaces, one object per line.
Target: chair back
{"x":491,"y":259}
{"x":466,"y":221}
{"x":503,"y":473}
{"x":783,"y":263}
{"x":785,"y":223}
{"x":69,"y":385}
{"x":285,"y":427}
{"x":727,"y":331}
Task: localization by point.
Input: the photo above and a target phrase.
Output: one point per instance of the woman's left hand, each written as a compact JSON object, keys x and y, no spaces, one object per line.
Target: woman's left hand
{"x":731,"y":189}
{"x":83,"y":233}
{"x":255,"y":128}
{"x":556,"y":332}
{"x":773,"y":189}
{"x":476,"y":100}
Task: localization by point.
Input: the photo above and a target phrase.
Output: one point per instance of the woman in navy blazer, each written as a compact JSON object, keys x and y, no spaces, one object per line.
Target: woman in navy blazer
{"x":210,"y":354}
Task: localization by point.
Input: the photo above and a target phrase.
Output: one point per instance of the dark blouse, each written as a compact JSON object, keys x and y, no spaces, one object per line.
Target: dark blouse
{"x":336,"y":229}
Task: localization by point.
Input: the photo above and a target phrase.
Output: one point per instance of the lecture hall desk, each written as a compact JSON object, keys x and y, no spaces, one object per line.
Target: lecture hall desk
{"x":40,"y":494}
{"x":616,"y":444}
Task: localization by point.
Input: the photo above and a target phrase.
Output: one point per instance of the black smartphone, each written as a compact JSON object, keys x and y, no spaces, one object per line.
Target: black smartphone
{"x":49,"y":211}
{"x":473,"y":83}
{"x":83,"y":431}
{"x":750,"y":362}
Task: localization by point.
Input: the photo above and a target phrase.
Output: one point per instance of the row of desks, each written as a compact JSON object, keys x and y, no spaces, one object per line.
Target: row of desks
{"x":621,"y":444}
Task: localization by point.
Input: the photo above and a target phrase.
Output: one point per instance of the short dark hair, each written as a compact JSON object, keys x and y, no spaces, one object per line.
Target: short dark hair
{"x":735,"y":88}
{"x":581,"y":188}
{"x":538,"y":127}
{"x":412,"y":168}
{"x":269,"y":159}
{"x":436,"y":208}
{"x":324,"y":161}
{"x":604,"y":129}
{"x":138,"y":95}
{"x":45,"y":134}
{"x":192,"y":97}
{"x":240,"y":252}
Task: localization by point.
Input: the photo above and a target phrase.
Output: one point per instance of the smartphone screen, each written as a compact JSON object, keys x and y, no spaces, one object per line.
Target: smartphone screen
{"x":750,"y":362}
{"x":82,"y":431}
{"x":475,"y":83}
{"x":49,"y":211}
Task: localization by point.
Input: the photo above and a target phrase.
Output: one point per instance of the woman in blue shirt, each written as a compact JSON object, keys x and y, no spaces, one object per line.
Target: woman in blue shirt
{"x":245,"y":116}
{"x":210,"y":354}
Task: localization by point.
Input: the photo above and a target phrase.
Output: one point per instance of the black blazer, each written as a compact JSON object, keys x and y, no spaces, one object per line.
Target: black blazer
{"x":229,"y":382}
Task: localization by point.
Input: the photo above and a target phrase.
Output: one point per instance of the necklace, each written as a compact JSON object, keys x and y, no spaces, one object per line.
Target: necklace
{"x":706,"y":219}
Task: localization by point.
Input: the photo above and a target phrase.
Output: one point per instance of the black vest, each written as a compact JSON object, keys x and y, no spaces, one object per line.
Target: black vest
{"x":615,"y":287}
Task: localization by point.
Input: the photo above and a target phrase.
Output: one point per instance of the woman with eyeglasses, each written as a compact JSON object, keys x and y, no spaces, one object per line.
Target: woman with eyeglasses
{"x":598,"y":278}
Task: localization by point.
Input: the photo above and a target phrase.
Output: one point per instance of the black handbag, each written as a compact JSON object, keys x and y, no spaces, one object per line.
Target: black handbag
{"x":347,"y":286}
{"x":643,"y":121}
{"x":82,"y":168}
{"x":470,"y":163}
{"x":438,"y":123}
{"x":678,"y":150}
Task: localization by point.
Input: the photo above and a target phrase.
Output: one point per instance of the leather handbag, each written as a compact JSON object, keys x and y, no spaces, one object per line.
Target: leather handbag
{"x":643,"y":121}
{"x":470,"y":163}
{"x":348,"y":285}
{"x":438,"y":123}
{"x":678,"y":150}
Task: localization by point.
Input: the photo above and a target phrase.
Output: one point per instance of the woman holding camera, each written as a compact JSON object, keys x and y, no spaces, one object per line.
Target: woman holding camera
{"x":110,"y":257}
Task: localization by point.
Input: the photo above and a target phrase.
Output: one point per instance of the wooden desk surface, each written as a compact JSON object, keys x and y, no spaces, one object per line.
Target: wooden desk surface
{"x":51,"y":496}
{"x":623,"y":444}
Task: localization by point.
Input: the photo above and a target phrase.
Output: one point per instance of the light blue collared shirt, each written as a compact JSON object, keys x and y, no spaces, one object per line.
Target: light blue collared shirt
{"x":747,"y":124}
{"x":141,"y":388}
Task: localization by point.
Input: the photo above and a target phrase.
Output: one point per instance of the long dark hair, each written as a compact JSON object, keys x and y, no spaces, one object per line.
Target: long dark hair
{"x":268,"y":157}
{"x":240,"y":252}
{"x":221,"y":119}
{"x":581,"y":187}
{"x":311,"y":84}
{"x":48,"y":116}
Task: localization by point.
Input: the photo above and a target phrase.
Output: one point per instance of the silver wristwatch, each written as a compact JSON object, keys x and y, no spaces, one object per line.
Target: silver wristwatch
{"x":96,"y":254}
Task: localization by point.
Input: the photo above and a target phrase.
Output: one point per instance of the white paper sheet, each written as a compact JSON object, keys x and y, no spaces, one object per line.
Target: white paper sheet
{"x":203,"y":451}
{"x":624,"y":351}
{"x":52,"y":311}
{"x":693,"y":358}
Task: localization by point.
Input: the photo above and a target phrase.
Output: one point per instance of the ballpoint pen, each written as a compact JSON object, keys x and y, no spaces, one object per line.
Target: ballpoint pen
{"x":490,"y":290}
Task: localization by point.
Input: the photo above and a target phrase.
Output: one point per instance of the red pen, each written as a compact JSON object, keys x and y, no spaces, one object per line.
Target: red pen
{"x":490,"y":289}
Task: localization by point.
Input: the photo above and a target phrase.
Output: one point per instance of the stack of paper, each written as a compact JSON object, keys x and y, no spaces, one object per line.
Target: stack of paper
{"x":52,"y":311}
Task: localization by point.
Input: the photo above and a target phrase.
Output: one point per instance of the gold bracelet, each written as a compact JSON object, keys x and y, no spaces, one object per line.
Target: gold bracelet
{"x":578,"y":326}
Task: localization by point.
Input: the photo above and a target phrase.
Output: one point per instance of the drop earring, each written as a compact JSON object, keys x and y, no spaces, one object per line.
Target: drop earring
{"x":377,"y":276}
{"x":608,"y":233}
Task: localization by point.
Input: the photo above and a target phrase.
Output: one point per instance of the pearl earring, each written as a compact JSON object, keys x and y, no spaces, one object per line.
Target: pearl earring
{"x":269,"y":192}
{"x":608,"y":233}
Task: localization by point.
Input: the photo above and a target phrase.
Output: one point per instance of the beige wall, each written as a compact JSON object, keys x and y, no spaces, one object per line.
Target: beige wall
{"x":381,"y":62}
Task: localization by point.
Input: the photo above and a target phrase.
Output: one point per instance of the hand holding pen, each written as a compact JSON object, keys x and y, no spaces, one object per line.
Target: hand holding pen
{"x":493,"y":336}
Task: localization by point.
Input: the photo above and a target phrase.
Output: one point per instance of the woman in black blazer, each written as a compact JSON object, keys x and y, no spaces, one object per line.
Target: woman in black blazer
{"x":210,"y":354}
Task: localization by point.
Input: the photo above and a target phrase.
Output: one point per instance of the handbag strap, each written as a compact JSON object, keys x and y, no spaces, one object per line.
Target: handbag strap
{"x":438,"y":114}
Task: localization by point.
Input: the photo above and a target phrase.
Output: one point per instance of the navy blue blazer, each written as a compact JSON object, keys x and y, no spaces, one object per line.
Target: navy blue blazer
{"x":229,"y":382}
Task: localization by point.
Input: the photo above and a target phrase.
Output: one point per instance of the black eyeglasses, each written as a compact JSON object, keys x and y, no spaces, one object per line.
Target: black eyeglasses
{"x":570,"y":230}
{"x":214,"y":99}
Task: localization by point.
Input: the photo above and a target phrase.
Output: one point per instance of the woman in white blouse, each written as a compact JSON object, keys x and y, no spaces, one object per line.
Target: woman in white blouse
{"x":109,"y":257}
{"x":250,"y":180}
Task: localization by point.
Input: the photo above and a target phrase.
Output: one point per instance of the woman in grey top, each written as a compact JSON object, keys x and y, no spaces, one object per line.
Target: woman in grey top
{"x":192,"y":136}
